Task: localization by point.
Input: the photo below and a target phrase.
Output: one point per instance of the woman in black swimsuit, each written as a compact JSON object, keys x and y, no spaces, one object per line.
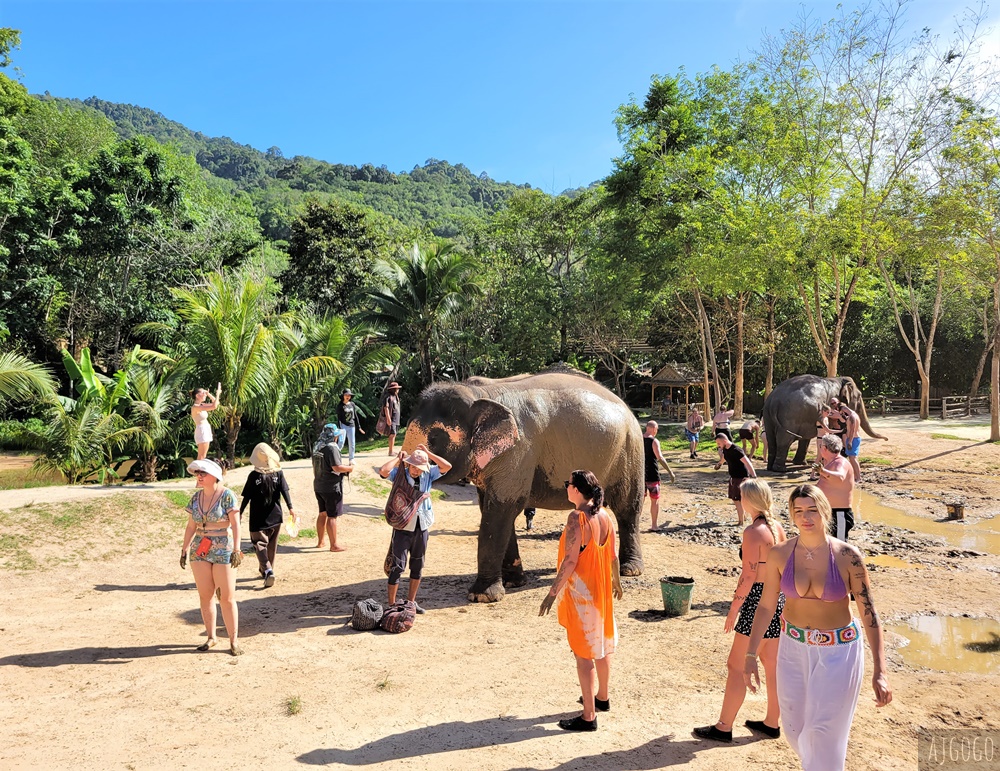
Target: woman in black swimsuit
{"x":760,"y":536}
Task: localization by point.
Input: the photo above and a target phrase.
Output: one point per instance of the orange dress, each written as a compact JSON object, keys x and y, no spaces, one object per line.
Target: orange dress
{"x":586,"y":604}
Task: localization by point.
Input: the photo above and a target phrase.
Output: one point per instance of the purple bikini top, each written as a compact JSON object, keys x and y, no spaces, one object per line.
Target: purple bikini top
{"x":833,"y":587}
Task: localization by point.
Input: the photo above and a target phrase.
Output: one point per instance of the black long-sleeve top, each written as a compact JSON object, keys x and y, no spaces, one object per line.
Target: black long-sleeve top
{"x":265,"y":504}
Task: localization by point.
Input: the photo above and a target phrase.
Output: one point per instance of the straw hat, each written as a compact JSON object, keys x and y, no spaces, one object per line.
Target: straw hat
{"x":265,"y":459}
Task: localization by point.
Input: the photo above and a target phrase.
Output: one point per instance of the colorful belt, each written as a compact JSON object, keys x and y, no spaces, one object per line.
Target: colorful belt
{"x":843,"y":636}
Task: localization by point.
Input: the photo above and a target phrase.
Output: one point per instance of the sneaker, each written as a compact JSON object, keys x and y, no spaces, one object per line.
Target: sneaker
{"x":713,"y":733}
{"x":420,"y":610}
{"x":269,"y":579}
{"x":601,"y":705}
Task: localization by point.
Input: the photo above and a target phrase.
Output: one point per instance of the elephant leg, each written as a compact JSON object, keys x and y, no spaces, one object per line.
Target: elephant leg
{"x":781,"y":454}
{"x":800,"y":453}
{"x":495,"y":528}
{"x":625,"y":498}
{"x":512,"y":571}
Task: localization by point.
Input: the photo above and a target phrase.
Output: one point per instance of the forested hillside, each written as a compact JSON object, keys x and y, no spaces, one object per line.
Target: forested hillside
{"x":437,"y":195}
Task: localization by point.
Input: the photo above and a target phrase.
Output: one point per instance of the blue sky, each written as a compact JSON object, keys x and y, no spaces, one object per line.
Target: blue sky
{"x":525,"y":91}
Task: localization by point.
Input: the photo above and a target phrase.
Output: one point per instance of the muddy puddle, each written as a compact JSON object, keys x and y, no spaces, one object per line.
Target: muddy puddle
{"x":888,"y":561}
{"x":981,"y":536}
{"x":951,"y":644}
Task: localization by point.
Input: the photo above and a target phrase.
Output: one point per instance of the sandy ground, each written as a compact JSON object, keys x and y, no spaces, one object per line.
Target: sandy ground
{"x":99,"y":626}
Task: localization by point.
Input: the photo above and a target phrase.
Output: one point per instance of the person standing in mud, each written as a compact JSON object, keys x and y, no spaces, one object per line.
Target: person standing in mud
{"x":821,"y":661}
{"x":692,"y":430}
{"x":852,"y":438}
{"x":836,"y":480}
{"x":740,"y":467}
{"x":654,"y":458}
{"x":750,"y":432}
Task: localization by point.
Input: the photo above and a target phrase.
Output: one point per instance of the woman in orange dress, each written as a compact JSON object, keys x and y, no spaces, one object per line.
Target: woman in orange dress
{"x":587,"y":580}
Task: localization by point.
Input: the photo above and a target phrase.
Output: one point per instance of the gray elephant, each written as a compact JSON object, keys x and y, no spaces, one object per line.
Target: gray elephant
{"x":791,"y":412}
{"x":517,"y":439}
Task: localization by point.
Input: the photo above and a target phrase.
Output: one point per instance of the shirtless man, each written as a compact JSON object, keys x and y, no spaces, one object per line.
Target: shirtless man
{"x":852,"y":438}
{"x":720,"y":425}
{"x":822,"y":429}
{"x":750,"y":432}
{"x":836,"y":480}
{"x":651,"y":450}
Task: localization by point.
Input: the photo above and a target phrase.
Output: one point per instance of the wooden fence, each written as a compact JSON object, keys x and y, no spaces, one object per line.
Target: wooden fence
{"x":945,"y":407}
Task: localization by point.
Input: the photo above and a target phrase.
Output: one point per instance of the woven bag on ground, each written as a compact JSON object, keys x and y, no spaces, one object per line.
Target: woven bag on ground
{"x":399,"y":617}
{"x":366,"y":616}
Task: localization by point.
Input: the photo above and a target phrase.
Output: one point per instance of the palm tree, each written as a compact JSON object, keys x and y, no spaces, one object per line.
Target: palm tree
{"x":21,"y":379}
{"x":359,"y":348}
{"x":295,"y":371}
{"x":156,"y":389}
{"x":226,"y":338}
{"x":420,"y":294}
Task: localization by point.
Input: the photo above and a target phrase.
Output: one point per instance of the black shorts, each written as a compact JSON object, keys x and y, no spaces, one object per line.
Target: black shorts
{"x":724,"y":430}
{"x":331,"y":504}
{"x":734,"y":488}
{"x":393,"y":429}
{"x":841,"y":523}
{"x":746,"y":433}
{"x":745,"y":622}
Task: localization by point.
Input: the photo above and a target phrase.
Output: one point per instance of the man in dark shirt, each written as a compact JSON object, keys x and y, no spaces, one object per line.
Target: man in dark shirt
{"x":328,"y":476}
{"x":654,"y":457}
{"x":390,"y":412}
{"x":740,"y":467}
{"x":346,"y":416}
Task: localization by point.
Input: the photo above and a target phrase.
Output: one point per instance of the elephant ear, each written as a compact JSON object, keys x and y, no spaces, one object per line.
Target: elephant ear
{"x":494,"y":431}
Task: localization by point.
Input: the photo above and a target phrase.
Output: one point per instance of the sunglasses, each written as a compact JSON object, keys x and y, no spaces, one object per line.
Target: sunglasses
{"x":567,"y":484}
{"x":201,"y":473}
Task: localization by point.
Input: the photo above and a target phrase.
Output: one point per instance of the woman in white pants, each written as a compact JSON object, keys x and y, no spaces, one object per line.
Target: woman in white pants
{"x":820,"y":657}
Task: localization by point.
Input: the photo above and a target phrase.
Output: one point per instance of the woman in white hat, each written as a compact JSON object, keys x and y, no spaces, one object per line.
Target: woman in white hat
{"x":265,"y":487}
{"x":212,"y":543}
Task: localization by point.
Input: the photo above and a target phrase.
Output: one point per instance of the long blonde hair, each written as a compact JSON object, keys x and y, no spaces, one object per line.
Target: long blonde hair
{"x":756,"y":494}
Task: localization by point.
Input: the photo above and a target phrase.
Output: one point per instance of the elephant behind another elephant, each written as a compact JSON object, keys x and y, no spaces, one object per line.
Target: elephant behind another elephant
{"x":517,"y":439}
{"x":791,"y":411}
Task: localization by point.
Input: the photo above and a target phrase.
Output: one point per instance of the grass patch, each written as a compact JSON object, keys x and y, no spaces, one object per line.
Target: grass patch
{"x":306,"y":532}
{"x":381,"y":442}
{"x":870,"y":460}
{"x":177,"y":497}
{"x":377,"y":487}
{"x":293,"y":705}
{"x":26,"y":479}
{"x":948,"y":436}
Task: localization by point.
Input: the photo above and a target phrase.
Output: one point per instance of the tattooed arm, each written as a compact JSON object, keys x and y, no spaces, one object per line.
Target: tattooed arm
{"x":751,"y":548}
{"x":574,"y":539}
{"x":860,"y":585}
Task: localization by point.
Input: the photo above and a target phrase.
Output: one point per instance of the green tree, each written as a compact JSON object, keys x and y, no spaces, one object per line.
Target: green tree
{"x":419,"y":295}
{"x":332,"y":253}
{"x":22,"y":379}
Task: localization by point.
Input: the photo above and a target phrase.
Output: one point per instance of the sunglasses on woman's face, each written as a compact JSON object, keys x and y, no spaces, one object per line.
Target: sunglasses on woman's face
{"x":567,"y":484}
{"x":201,"y":473}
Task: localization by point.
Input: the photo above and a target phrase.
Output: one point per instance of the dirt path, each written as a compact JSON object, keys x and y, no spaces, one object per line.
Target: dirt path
{"x":99,"y":669}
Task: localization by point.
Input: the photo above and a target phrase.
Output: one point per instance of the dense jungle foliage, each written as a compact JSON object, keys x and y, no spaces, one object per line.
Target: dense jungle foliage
{"x":828,"y":207}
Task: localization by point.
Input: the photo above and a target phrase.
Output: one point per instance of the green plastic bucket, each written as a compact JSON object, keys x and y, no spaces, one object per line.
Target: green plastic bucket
{"x":676,"y":591}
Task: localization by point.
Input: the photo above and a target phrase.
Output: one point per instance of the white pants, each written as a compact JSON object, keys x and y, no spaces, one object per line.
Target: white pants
{"x":818,"y":689}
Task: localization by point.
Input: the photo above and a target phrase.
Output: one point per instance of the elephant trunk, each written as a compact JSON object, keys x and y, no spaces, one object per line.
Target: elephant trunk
{"x":865,"y":425}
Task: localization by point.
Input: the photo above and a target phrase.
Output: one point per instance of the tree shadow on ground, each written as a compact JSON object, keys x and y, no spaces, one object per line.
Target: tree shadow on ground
{"x":942,"y":454}
{"x":93,"y":655}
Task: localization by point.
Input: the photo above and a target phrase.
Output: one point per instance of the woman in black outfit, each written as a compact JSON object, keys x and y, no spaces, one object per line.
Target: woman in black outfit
{"x":264,"y":488}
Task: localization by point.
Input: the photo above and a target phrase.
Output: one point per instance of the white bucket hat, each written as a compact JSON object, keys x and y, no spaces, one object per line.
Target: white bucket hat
{"x":210,"y":467}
